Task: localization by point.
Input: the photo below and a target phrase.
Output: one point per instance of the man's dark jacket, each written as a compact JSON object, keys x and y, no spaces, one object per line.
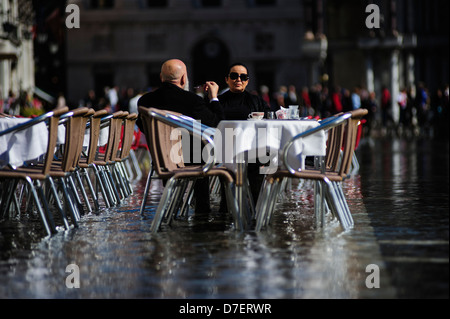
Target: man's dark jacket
{"x":172,"y":98}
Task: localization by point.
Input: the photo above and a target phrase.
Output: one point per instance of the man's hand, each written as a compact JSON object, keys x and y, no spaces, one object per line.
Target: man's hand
{"x":212,"y":88}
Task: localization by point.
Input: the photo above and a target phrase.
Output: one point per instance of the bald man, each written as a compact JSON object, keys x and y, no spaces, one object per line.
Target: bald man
{"x":174,"y":95}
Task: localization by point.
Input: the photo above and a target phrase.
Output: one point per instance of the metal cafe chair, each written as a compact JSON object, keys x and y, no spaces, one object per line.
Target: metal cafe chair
{"x":32,"y":177}
{"x":158,"y":128}
{"x":63,"y":169}
{"x":61,"y":175}
{"x":103,"y":164}
{"x":112,"y":164}
{"x":87,"y":157}
{"x":122,"y":156}
{"x":329,"y":178}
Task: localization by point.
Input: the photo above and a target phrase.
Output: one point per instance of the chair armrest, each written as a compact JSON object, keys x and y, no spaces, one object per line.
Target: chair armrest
{"x":193,"y":127}
{"x":325,"y":124}
{"x":34,"y":121}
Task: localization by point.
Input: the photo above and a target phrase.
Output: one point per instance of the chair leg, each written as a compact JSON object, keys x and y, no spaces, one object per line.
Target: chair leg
{"x":157,"y":220}
{"x":112,"y":185}
{"x":41,"y":212}
{"x":319,"y":204}
{"x":176,"y":200}
{"x":58,"y":203}
{"x":107,"y":186}
{"x":146,"y":191}
{"x":73,"y":188}
{"x":188,"y":199}
{"x":85,"y":173}
{"x":117,"y":181}
{"x":262,"y":206}
{"x":69,"y":204}
{"x":126,"y":176}
{"x":277,"y":187}
{"x":7,"y":196}
{"x":19,"y":199}
{"x":335,"y":204}
{"x":232,"y":205}
{"x":135,"y":165}
{"x":15,"y":202}
{"x":251,"y":213}
{"x":83,"y":191}
{"x":344,"y":204}
{"x":355,"y":165}
{"x":101,"y":183}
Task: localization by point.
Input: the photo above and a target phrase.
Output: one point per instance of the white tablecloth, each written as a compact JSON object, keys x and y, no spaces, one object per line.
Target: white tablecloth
{"x":31,"y":143}
{"x":238,"y":141}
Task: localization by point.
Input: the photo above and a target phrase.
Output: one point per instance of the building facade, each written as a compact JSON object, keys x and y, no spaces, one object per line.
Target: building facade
{"x":411,"y":45}
{"x":124,"y":42}
{"x":16,"y":48}
{"x":283,"y":42}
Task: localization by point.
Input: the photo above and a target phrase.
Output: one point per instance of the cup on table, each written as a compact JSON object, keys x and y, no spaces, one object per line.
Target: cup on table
{"x":293,"y":112}
{"x":281,"y":115}
{"x":271,"y":115}
{"x":256,"y":115}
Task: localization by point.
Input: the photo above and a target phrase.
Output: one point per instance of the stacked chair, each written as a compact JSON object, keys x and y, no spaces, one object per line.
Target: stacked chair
{"x":159,"y":127}
{"x":111,"y":164}
{"x":31,"y":177}
{"x":328,"y":176}
{"x":57,"y":178}
{"x":87,"y":158}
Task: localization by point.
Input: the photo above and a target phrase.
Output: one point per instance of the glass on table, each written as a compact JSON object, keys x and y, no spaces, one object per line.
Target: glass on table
{"x":271,"y":115}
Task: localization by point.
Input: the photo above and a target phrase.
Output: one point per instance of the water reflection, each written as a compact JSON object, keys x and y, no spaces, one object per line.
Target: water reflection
{"x":197,"y":258}
{"x":405,"y":189}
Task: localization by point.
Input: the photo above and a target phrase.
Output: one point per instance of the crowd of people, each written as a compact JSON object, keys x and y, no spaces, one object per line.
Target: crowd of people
{"x":23,"y":104}
{"x":420,"y":112}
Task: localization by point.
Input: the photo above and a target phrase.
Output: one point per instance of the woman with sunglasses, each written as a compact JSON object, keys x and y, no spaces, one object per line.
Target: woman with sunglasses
{"x":237,"y":104}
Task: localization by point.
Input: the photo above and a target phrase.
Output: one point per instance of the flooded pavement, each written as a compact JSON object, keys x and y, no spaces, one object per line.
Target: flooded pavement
{"x":399,"y":202}
{"x":404,"y":184}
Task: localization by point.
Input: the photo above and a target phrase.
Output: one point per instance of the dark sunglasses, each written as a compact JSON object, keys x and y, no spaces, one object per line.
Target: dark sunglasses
{"x":234,"y":76}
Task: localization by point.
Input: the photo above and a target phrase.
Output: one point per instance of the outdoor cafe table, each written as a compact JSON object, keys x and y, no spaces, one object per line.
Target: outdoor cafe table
{"x":238,"y":143}
{"x":29,"y":144}
{"x":17,"y":148}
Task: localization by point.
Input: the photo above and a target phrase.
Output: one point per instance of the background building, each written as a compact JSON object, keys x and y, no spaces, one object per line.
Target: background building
{"x":16,"y":49}
{"x":283,"y":42}
{"x":122,"y":43}
{"x":411,"y":45}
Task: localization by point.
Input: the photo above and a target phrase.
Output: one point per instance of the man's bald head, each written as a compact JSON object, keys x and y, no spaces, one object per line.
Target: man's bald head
{"x":174,"y":71}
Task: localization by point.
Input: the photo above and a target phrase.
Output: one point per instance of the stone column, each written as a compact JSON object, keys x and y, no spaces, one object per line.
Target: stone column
{"x":410,"y":80}
{"x":370,"y":80}
{"x":395,"y":87}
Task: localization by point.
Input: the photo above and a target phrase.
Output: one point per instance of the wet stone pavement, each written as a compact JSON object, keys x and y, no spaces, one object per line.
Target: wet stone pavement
{"x":399,"y":201}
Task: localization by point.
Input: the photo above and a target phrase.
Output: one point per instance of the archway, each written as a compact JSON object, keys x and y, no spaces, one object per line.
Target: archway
{"x":210,"y":59}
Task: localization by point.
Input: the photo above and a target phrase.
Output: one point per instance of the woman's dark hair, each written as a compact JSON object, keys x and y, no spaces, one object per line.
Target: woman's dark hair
{"x":237,"y":63}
